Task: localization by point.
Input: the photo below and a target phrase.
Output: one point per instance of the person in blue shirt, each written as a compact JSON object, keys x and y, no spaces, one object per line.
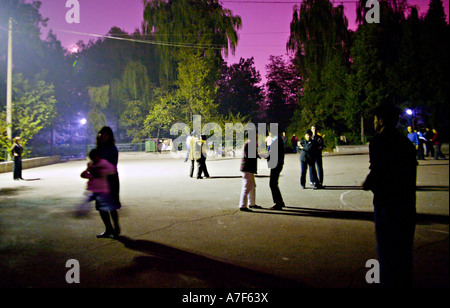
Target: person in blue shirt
{"x":412,"y":136}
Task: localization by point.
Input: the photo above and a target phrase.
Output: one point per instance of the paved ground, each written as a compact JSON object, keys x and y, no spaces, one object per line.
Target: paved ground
{"x":183,"y":232}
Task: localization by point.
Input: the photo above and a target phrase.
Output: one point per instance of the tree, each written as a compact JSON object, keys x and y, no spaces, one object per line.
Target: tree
{"x":320,"y":41}
{"x":436,"y":64}
{"x":136,"y":100}
{"x":33,"y":108}
{"x":99,"y":101}
{"x":282,"y":90}
{"x":201,"y":26}
{"x":238,"y":90}
{"x":192,"y":96}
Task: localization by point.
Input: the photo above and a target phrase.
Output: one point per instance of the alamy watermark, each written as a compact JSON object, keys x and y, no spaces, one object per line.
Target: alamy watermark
{"x":73,"y":274}
{"x":73,"y":14}
{"x":232,"y":139}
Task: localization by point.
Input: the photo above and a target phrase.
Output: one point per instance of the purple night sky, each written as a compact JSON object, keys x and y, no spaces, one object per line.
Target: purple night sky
{"x":264,"y":32}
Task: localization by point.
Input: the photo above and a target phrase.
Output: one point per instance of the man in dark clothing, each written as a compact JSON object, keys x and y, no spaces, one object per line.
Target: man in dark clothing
{"x":318,"y":139}
{"x":17,"y":151}
{"x":275,"y":162}
{"x":429,"y":143}
{"x":392,"y":179}
{"x":307,"y":158}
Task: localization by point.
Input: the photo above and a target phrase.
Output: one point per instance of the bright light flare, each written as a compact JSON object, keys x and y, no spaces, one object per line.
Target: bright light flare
{"x":83,"y":121}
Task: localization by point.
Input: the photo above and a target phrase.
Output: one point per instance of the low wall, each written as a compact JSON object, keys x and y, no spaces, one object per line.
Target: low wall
{"x":30,"y":163}
{"x":352,"y":149}
{"x":364,"y":149}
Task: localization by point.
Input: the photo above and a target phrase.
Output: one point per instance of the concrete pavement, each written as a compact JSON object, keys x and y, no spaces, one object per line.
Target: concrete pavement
{"x":188,"y":233}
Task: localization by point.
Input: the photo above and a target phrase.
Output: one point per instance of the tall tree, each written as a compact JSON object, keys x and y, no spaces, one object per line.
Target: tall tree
{"x":197,"y":25}
{"x":282,"y":90}
{"x":436,"y":63}
{"x":239,"y":90}
{"x":33,"y":108}
{"x":320,"y":41}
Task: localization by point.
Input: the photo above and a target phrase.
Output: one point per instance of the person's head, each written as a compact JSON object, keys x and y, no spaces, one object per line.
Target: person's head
{"x":434,"y":130}
{"x":94,"y":155}
{"x":409,"y":128}
{"x":308,"y":134}
{"x":314,"y":129}
{"x":105,"y":136}
{"x":385,"y":116}
{"x":17,"y":139}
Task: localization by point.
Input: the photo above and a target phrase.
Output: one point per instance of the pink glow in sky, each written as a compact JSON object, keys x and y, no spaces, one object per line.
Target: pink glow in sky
{"x":264,"y":32}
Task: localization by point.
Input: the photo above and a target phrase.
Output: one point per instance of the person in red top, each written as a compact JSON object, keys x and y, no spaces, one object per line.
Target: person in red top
{"x":437,"y":145}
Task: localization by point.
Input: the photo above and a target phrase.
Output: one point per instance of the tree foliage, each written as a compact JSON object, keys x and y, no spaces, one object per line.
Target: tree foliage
{"x":239,"y":91}
{"x":33,"y":108}
{"x":182,"y":25}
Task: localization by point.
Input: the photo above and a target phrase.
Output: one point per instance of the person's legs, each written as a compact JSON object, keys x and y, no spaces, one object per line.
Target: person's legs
{"x":304,"y":168}
{"x":108,"y":227}
{"x":248,"y":193}
{"x":319,"y":165}
{"x":395,"y":237}
{"x":115,"y":219}
{"x":274,"y":188}
{"x":191,"y":171}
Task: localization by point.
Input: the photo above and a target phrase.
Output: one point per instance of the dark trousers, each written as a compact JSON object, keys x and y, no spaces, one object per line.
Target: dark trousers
{"x":191,"y":169}
{"x":312,"y":171}
{"x":437,"y":152}
{"x":421,"y":151}
{"x":17,"y":168}
{"x":273,"y":183}
{"x":394,"y":227}
{"x":201,"y":166}
{"x":319,"y":172}
{"x":430,"y":149}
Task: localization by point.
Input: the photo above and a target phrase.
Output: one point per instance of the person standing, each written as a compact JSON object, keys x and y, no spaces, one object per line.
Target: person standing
{"x":294,"y":142}
{"x":268,"y":141}
{"x":392,"y":179}
{"x":188,"y":146}
{"x":420,"y":149}
{"x":16,"y":152}
{"x":275,"y":162}
{"x":201,"y":162}
{"x":249,"y":167}
{"x":437,"y":145}
{"x":412,"y":136}
{"x":318,"y":163}
{"x":194,"y":152}
{"x":106,"y":146}
{"x":307,"y":158}
{"x":285,"y":141}
{"x":429,"y":136}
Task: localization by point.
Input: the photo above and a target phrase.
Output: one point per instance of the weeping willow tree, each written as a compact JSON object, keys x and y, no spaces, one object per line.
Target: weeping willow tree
{"x":320,"y":41}
{"x":180,"y":26}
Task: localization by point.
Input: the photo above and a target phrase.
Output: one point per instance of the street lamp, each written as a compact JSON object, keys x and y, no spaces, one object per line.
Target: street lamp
{"x":83,"y":121}
{"x":410,"y":113}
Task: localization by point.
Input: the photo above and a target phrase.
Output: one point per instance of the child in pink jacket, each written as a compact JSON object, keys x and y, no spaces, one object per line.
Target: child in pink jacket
{"x":97,"y":172}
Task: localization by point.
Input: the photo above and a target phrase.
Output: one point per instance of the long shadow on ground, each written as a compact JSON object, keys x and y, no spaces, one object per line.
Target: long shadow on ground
{"x":208,"y":272}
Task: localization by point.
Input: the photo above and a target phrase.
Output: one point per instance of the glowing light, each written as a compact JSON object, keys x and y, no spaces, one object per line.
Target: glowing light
{"x":73,"y":49}
{"x":83,"y":121}
{"x":409,"y":112}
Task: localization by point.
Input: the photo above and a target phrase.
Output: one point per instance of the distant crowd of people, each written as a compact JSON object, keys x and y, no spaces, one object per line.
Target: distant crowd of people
{"x":427,"y":142}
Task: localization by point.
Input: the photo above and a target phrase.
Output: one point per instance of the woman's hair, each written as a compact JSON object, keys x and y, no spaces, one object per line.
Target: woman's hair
{"x":106,"y":130}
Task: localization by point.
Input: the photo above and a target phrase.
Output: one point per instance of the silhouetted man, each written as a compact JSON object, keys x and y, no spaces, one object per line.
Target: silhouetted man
{"x":392,"y":179}
{"x":275,"y":162}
